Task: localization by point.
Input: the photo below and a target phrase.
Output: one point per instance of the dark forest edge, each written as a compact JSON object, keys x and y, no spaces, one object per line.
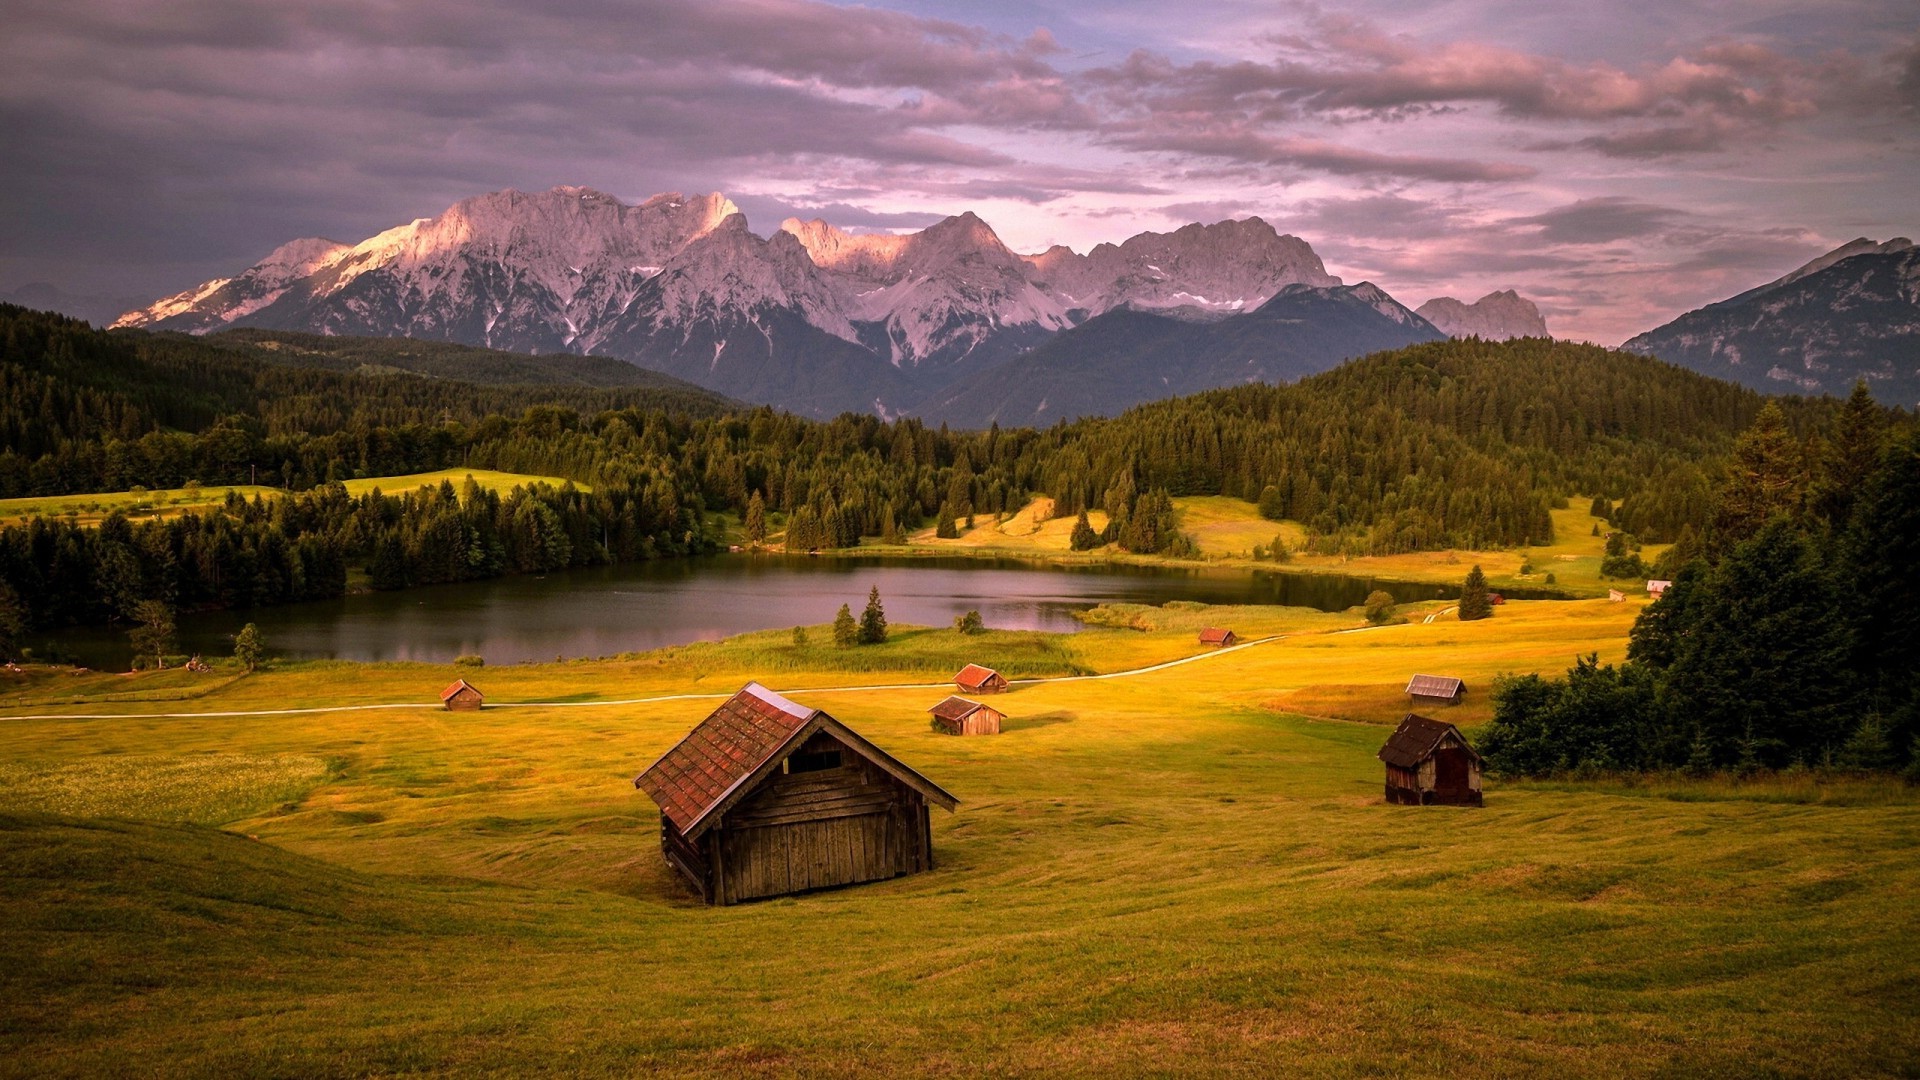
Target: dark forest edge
{"x":1788,"y":637}
{"x":1451,"y":444}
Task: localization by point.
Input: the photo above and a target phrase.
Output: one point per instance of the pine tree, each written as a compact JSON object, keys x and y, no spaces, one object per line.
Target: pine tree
{"x":1474,"y":601}
{"x":13,"y":623}
{"x":756,"y":524}
{"x":1765,"y":477}
{"x":873,"y":621}
{"x":846,"y":632}
{"x":1083,"y":538}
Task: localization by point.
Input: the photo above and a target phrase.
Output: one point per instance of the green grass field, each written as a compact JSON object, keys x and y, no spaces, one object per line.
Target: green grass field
{"x":1226,"y":530}
{"x":91,"y":509}
{"x":1174,"y":873}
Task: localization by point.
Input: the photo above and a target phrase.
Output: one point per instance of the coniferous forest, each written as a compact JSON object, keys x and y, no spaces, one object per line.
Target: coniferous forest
{"x":1788,"y":637}
{"x":1451,"y":444}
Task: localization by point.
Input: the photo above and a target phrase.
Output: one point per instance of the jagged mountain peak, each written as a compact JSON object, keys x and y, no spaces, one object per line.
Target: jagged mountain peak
{"x":1224,"y":267}
{"x":1496,"y":316}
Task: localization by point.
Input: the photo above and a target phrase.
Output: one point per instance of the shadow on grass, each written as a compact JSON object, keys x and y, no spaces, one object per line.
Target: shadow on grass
{"x":1024,"y":723}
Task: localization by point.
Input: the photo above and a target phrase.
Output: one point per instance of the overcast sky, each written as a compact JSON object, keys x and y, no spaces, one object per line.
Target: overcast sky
{"x":1617,"y":162}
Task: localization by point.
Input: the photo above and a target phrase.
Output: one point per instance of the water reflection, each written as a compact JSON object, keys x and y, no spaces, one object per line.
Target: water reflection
{"x":607,"y":610}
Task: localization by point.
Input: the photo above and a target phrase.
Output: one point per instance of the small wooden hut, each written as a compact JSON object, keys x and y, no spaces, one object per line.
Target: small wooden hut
{"x":1615,"y":596}
{"x":1436,"y":690}
{"x":958,"y":716}
{"x":461,"y":696}
{"x":767,"y":798}
{"x":1429,"y":762}
{"x":1657,"y":589}
{"x":974,"y":679}
{"x":1218,"y":636}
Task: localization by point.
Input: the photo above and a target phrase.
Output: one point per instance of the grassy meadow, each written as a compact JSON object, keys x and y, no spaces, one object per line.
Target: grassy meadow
{"x":94,"y":507}
{"x":1227,"y":530}
{"x":1169,"y":873}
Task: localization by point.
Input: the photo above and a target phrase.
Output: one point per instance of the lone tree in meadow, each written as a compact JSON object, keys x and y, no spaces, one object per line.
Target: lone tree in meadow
{"x":248,"y":648}
{"x":1380,"y":604}
{"x":970,"y":623}
{"x":873,"y":621}
{"x":152,"y":634}
{"x":845,"y":631}
{"x":1474,"y":602}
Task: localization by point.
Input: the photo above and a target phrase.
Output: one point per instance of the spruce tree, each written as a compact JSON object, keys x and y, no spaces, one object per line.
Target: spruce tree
{"x":756,"y":524}
{"x":846,"y":632}
{"x":873,"y":621}
{"x":1474,"y":601}
{"x":1083,"y":538}
{"x":13,"y":622}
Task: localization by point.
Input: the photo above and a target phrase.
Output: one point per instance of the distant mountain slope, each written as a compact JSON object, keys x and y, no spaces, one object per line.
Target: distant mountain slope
{"x":448,"y":360}
{"x":1851,"y":314}
{"x":1497,"y":316}
{"x":1127,"y":357}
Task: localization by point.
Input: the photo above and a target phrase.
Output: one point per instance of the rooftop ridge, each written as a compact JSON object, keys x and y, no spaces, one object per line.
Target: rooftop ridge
{"x":784,"y":705}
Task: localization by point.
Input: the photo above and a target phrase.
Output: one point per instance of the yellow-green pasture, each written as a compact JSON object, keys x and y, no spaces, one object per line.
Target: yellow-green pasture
{"x":486,"y":478}
{"x":94,"y":507}
{"x":1226,"y":530}
{"x":1156,"y":874}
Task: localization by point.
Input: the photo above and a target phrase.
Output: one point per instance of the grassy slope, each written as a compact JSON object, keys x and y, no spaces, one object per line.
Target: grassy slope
{"x":1159,"y":873}
{"x":91,"y":508}
{"x":1227,"y":530}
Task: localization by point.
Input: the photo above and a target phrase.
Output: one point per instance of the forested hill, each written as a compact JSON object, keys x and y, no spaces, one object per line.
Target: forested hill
{"x":1447,"y":444}
{"x":446,"y":360}
{"x":63,"y":382}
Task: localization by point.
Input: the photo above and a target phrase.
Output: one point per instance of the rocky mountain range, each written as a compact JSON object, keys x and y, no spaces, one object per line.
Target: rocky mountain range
{"x":810,"y":318}
{"x":1851,"y":314}
{"x":1497,"y":316}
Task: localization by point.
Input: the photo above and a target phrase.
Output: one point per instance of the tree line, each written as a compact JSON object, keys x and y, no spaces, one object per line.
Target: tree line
{"x":1787,"y":638}
{"x":1450,"y":444}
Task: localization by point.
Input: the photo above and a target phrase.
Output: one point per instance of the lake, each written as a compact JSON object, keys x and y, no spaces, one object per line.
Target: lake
{"x":606,"y":610}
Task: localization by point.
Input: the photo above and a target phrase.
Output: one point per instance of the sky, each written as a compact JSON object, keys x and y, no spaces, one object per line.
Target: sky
{"x":1615,"y":161}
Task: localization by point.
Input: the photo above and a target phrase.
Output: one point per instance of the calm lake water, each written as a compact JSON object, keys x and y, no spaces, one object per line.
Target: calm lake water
{"x":608,"y":610}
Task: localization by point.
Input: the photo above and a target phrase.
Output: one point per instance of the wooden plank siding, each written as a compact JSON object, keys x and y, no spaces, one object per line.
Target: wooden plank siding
{"x":820,"y":829}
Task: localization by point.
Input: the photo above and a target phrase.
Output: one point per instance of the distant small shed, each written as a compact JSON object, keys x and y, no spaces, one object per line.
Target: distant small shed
{"x":1615,"y":596}
{"x":1436,"y":690}
{"x":1429,"y":762}
{"x":1219,"y":636}
{"x":1658,"y":588}
{"x":958,"y":716}
{"x":975,"y":679}
{"x":1496,"y":598}
{"x":766,"y":797}
{"x":461,"y":696}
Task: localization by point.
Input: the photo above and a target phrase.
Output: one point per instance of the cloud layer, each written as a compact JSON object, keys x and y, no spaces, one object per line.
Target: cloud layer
{"x":152,"y":145}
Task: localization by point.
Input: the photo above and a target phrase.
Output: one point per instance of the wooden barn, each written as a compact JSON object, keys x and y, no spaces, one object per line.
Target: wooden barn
{"x":974,"y":679}
{"x":766,"y":798}
{"x":1657,"y":588}
{"x":461,"y":696}
{"x":1220,"y":636}
{"x":958,"y":716}
{"x":1615,"y":596}
{"x":1436,"y":690}
{"x":1428,"y":763}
